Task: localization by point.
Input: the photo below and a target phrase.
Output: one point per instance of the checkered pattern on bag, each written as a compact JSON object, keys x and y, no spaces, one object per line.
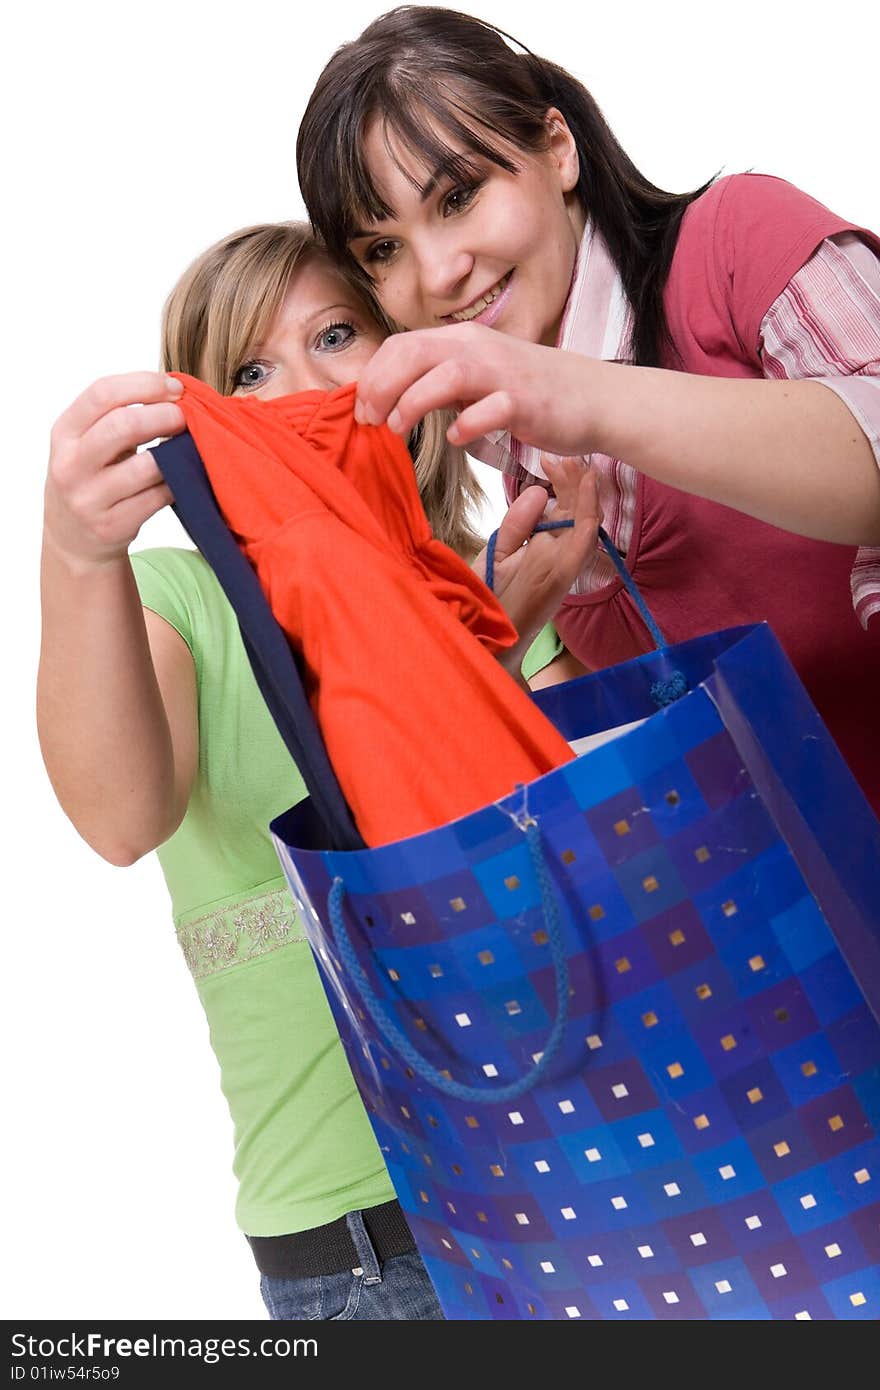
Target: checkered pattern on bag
{"x":705,"y":1145}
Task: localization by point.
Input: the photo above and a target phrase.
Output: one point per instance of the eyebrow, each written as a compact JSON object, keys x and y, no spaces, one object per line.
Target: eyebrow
{"x":347,"y":307}
{"x":425,"y":191}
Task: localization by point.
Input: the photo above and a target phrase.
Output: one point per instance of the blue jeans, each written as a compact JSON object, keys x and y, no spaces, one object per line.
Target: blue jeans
{"x":399,"y":1290}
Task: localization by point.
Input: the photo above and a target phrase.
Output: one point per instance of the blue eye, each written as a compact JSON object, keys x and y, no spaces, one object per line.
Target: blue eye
{"x":334,"y":337}
{"x":249,"y":376}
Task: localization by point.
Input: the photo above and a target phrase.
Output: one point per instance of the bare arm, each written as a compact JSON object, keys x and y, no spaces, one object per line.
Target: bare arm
{"x":788,"y":452}
{"x":564,"y":667}
{"x":116,"y":695}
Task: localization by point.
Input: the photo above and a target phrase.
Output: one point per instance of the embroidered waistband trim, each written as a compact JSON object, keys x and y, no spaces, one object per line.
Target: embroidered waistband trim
{"x":233,"y":935}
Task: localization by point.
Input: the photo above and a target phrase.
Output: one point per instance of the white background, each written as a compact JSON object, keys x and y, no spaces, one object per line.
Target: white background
{"x":134,"y":135}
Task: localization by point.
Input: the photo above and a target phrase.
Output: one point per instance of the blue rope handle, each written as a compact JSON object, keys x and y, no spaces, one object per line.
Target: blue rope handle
{"x":397,"y":1040}
{"x":493,"y":541}
{"x":662,"y":692}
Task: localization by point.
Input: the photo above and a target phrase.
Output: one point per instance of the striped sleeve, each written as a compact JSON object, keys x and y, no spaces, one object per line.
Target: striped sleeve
{"x":825,"y":326}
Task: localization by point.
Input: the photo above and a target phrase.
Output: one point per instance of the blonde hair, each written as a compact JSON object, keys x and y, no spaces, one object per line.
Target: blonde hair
{"x":226,"y":300}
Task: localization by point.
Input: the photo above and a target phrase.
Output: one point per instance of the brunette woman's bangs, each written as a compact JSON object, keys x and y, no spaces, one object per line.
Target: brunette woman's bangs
{"x":419,"y":119}
{"x":454,"y":89}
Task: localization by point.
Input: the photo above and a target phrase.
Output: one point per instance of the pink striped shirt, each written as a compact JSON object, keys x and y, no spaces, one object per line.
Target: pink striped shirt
{"x":825,"y":326}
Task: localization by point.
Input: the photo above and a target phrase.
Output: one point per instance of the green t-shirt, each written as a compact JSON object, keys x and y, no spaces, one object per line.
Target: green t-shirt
{"x":545,"y":648}
{"x":305,"y":1152}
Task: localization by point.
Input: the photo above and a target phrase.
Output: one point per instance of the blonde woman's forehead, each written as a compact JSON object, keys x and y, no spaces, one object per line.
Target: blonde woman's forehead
{"x":316,"y":284}
{"x":315,"y":291}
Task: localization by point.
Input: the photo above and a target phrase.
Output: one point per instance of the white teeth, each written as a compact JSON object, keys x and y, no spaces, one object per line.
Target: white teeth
{"x":480,"y":304}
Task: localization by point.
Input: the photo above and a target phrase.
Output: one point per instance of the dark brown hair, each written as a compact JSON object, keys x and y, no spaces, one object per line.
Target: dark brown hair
{"x":422,"y":69}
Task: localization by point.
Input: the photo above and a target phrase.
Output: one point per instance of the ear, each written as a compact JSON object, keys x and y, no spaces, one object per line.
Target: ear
{"x":563,"y":149}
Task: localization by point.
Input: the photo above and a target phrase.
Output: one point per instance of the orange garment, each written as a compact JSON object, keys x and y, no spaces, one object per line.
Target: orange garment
{"x":420,"y":721}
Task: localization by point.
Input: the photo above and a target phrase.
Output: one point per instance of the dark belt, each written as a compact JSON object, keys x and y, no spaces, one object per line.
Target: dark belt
{"x":330,"y":1249}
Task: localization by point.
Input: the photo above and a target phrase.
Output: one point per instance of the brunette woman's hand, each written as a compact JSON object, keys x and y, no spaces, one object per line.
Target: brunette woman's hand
{"x":99,"y":489}
{"x":543,"y":395}
{"x":534,"y":572}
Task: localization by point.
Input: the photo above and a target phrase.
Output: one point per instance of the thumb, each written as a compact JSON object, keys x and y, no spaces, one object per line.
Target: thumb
{"x":564,"y":476}
{"x":521,"y":518}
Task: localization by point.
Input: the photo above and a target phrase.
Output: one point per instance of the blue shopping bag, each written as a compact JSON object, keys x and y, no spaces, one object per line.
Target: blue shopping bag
{"x":617,"y":1034}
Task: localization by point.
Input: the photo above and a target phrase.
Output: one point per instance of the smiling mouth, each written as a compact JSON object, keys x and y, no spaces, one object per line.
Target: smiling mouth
{"x":472,"y":310}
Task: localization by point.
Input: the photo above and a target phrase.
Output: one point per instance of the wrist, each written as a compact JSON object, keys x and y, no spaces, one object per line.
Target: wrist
{"x":512,"y":659}
{"x":78,"y":564}
{"x":607,"y":388}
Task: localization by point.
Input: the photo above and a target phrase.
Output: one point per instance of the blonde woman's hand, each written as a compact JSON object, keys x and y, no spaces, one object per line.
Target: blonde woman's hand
{"x":99,"y":489}
{"x":544,"y":396}
{"x":534,"y":572}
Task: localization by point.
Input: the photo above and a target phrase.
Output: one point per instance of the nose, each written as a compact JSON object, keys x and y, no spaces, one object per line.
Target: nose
{"x":322,"y":372}
{"x":319,"y":375}
{"x":443,"y":265}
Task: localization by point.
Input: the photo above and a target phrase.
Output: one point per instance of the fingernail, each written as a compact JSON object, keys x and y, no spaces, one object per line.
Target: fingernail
{"x":358,"y":413}
{"x":394,"y":422}
{"x":175,"y":387}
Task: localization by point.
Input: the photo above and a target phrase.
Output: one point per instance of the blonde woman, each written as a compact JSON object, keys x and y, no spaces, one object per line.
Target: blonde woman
{"x":144,"y":683}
